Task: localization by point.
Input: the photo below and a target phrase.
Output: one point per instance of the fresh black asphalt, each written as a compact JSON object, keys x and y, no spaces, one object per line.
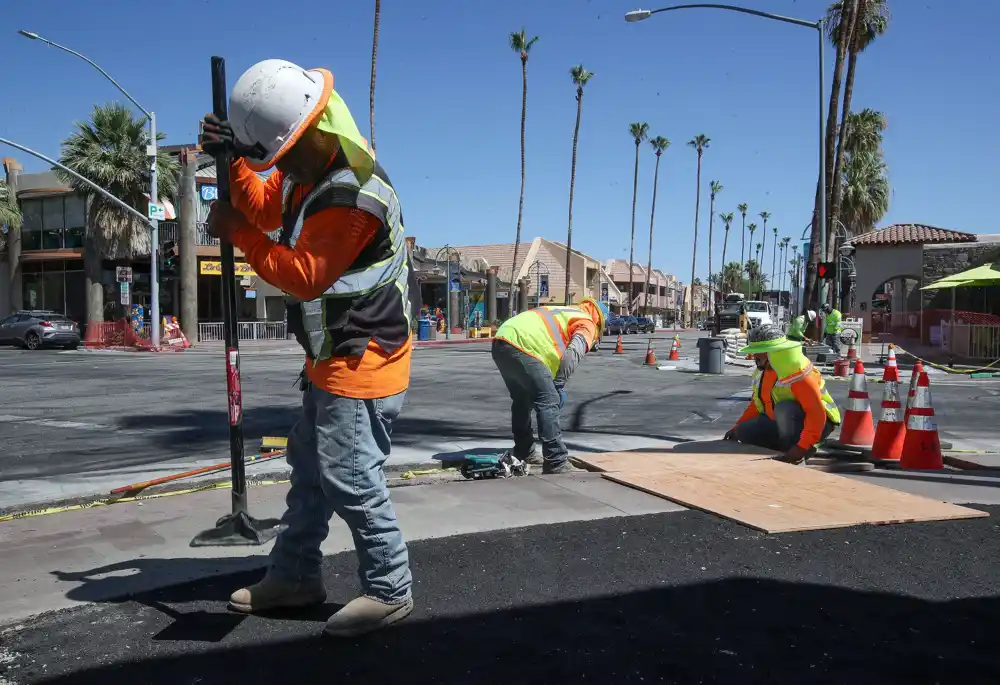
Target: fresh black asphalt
{"x":672,"y":598}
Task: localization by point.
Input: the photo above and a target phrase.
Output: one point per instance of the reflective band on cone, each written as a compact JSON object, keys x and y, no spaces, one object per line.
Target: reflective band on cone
{"x":922,"y":446}
{"x":858,"y":428}
{"x":675,"y":349}
{"x":918,"y":369}
{"x":852,"y":352}
{"x":618,"y":348}
{"x":890,"y":361}
{"x":650,"y":356}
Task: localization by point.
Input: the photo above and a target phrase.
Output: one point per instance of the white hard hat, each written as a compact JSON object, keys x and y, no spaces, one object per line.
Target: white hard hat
{"x":272,"y":103}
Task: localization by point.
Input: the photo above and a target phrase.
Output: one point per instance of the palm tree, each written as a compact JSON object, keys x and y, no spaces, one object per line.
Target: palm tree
{"x":110,"y":150}
{"x":765,"y":216}
{"x":715,"y":188}
{"x":752,"y":270}
{"x":830,"y":142}
{"x":521,"y":44}
{"x":699,"y":143}
{"x":774,"y":255}
{"x":639,"y":132}
{"x":742,"y":208}
{"x":371,"y":89}
{"x":868,"y":19}
{"x":10,"y":235}
{"x":752,"y":227}
{"x":727,"y":219}
{"x":784,"y":259}
{"x":731,"y":280}
{"x":659,"y":144}
{"x":580,"y":76}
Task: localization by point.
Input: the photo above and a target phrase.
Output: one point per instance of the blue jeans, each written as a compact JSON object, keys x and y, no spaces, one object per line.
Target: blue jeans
{"x":336,"y":451}
{"x":781,"y":433}
{"x":531,"y":387}
{"x":834,"y":342}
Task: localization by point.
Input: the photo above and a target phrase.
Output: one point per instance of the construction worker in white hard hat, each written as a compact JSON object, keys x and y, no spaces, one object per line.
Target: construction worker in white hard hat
{"x":797,"y":327}
{"x":790,"y":410}
{"x":536,"y":352}
{"x":344,"y":268}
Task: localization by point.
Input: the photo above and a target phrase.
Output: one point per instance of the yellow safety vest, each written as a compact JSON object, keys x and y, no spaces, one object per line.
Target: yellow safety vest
{"x":782,"y":390}
{"x":542,"y":333}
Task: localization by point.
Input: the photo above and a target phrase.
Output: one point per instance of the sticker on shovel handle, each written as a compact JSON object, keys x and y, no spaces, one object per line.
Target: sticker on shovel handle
{"x":233,"y":386}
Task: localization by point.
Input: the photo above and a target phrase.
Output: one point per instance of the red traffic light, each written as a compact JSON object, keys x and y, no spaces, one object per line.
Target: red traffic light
{"x":821,"y":270}
{"x":826,"y":270}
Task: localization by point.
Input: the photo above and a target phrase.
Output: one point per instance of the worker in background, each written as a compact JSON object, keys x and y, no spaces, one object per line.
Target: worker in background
{"x":797,"y":327}
{"x":790,"y":410}
{"x":744,"y":320}
{"x":832,"y":328}
{"x":536,"y":352}
{"x":342,"y":264}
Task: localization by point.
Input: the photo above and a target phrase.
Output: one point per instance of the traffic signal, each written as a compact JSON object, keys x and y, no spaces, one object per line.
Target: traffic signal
{"x":171,"y":258}
{"x":827,"y":271}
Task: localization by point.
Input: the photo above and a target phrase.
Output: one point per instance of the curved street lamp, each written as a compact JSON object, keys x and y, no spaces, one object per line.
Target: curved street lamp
{"x":819,"y":26}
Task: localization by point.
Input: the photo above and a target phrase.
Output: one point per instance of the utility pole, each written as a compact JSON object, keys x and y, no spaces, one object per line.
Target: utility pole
{"x":187,"y":242}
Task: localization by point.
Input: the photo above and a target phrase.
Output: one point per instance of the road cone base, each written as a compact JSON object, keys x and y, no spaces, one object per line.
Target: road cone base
{"x":673,"y":357}
{"x":650,"y":360}
{"x":922,"y":450}
{"x":888,"y":444}
{"x":858,"y":429}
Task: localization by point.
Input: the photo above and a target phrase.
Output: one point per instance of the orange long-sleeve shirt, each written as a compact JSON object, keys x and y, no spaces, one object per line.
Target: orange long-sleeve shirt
{"x":807,"y":393}
{"x":328,"y":244}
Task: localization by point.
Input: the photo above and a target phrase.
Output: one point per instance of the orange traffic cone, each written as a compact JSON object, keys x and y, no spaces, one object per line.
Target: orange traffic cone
{"x":675,"y":349}
{"x":650,"y":356}
{"x":891,"y":429}
{"x":922,"y":446}
{"x":852,"y":352}
{"x":858,"y":429}
{"x":618,"y":348}
{"x":918,"y":369}
{"x":890,"y":360}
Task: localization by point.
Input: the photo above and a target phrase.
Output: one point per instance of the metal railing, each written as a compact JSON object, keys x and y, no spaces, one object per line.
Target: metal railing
{"x":973,"y":341}
{"x":169,"y":231}
{"x":247,"y":331}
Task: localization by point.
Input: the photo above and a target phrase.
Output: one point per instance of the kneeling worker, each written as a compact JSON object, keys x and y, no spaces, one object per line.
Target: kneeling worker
{"x":790,"y":410}
{"x":536,"y":352}
{"x":797,"y":327}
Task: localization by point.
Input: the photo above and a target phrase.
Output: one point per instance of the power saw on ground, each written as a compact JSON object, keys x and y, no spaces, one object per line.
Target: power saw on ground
{"x":503,"y":465}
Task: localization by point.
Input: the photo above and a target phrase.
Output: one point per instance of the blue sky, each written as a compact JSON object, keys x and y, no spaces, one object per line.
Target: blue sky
{"x":449,"y":96}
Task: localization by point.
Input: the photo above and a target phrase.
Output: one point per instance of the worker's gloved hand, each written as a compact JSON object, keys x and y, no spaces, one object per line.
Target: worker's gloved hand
{"x":217,"y":138}
{"x":794,"y":455}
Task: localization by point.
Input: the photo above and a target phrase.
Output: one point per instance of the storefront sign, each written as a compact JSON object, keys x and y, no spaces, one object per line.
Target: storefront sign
{"x":209,"y":193}
{"x":215,"y":269}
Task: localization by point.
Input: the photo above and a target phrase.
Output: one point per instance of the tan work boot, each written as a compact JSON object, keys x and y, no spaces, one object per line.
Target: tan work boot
{"x":365,"y":614}
{"x":272,"y":593}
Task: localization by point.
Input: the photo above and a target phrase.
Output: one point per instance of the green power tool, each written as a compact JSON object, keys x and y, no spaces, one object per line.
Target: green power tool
{"x":503,"y":465}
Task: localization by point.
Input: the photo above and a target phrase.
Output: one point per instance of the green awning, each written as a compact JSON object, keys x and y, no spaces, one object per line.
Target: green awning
{"x":986,"y":274}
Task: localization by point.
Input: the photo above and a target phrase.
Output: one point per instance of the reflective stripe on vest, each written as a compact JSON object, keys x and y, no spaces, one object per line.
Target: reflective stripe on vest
{"x":392,"y":271}
{"x":542,"y":333}
{"x":781,"y":391}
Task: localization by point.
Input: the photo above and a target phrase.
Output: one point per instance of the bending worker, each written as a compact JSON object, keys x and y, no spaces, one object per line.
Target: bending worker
{"x":832,"y":327}
{"x":790,"y":410}
{"x":343,"y":265}
{"x":797,"y":327}
{"x":536,"y":352}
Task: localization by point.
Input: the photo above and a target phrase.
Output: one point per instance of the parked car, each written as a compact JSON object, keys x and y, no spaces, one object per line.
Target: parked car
{"x":615,"y":326}
{"x":36,"y":328}
{"x":646,"y":325}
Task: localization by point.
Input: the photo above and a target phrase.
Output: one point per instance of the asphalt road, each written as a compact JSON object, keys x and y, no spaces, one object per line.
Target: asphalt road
{"x":79,"y":412}
{"x":674,"y":598}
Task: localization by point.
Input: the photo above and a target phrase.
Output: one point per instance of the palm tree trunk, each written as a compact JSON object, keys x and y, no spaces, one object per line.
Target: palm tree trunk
{"x":631,"y":249}
{"x":694,"y":249}
{"x":774,"y":261}
{"x":572,"y":183}
{"x":711,"y":225}
{"x":371,"y":90}
{"x":93,"y":270}
{"x":652,"y":213}
{"x":811,"y":290}
{"x":838,"y":185}
{"x":725,"y":241}
{"x":520,"y":202}
{"x":763,"y":247}
{"x":743,"y":261}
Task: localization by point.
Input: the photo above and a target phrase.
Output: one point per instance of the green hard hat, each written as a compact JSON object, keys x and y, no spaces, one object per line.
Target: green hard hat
{"x":767,"y":338}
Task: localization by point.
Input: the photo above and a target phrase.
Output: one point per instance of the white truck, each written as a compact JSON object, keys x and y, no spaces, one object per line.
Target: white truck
{"x":758,"y":311}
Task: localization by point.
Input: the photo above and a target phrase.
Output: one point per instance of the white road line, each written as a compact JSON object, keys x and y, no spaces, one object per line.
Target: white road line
{"x":70,"y":425}
{"x":719,"y":409}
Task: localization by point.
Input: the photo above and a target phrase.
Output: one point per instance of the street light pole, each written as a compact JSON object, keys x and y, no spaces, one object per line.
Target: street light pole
{"x":151,"y":152}
{"x":819,"y":26}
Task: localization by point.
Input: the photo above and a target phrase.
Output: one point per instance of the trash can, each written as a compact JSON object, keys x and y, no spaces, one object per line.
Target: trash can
{"x":424,"y":329}
{"x":711,"y":355}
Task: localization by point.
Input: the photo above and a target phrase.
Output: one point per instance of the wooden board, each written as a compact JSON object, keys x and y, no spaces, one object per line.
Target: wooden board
{"x":655,"y":462}
{"x":780,"y":498}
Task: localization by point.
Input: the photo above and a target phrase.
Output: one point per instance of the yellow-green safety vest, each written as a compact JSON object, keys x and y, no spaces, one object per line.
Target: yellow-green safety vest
{"x":542,"y":333}
{"x":782,"y":390}
{"x":833,"y":322}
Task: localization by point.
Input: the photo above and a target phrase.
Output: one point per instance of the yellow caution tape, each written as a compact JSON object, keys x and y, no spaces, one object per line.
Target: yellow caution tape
{"x":946,"y":369}
{"x":106,"y":501}
{"x":426,"y":472}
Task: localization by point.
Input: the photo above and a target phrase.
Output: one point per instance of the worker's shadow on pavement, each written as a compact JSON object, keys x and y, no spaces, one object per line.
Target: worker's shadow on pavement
{"x":720,"y":631}
{"x":129,"y":581}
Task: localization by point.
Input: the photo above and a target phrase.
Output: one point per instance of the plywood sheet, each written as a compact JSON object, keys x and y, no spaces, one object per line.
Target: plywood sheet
{"x":777,"y":498}
{"x":655,"y":462}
